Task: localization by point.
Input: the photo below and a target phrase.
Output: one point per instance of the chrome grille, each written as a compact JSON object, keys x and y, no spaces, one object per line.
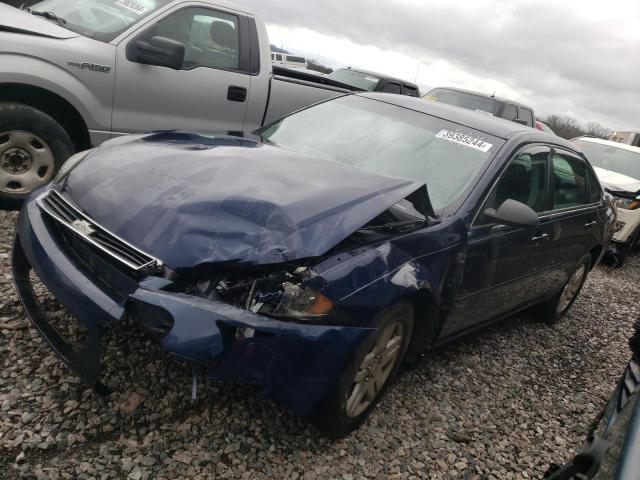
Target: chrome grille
{"x":66,"y":214}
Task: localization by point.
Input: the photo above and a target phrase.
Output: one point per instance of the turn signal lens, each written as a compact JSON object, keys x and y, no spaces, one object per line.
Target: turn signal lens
{"x":322,"y":305}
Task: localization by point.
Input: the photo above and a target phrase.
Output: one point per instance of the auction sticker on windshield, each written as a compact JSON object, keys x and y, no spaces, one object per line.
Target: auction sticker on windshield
{"x":132,"y":5}
{"x":466,"y":140}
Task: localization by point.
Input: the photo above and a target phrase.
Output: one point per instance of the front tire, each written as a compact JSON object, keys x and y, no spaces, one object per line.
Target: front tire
{"x":33,"y":146}
{"x":557,"y":308}
{"x":367,"y":374}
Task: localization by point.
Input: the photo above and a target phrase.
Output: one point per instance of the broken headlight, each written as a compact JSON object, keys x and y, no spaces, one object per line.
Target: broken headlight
{"x":280,"y":295}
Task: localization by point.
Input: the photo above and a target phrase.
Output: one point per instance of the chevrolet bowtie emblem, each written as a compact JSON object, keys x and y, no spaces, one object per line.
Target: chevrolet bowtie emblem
{"x":82,"y":226}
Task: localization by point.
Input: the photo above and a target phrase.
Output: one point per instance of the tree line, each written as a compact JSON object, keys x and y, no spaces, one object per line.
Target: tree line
{"x":568,"y":127}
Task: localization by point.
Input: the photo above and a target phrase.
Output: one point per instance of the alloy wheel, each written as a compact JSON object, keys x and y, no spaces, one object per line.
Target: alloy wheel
{"x":571,"y":289}
{"x":375,"y":369}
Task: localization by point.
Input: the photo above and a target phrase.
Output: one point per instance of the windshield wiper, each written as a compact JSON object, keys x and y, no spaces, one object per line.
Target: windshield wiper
{"x":48,"y":16}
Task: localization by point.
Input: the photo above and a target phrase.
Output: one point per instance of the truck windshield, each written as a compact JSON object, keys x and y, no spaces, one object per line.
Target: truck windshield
{"x":355,"y":79}
{"x":609,"y":157}
{"x":102,"y":20}
{"x":389,"y":140}
{"x":464,"y":100}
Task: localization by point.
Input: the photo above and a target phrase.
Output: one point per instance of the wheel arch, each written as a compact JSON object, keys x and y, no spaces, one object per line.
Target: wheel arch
{"x":53,"y":105}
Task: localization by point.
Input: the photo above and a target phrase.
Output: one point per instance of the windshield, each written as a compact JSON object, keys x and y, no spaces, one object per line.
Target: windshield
{"x":464,"y":100}
{"x":612,"y":158}
{"x":389,"y":140}
{"x":102,"y":20}
{"x":355,"y":79}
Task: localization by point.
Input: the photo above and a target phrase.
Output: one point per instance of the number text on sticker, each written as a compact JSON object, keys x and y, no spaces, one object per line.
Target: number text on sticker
{"x":466,"y":140}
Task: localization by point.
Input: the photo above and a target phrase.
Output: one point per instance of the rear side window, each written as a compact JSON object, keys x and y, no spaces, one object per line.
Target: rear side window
{"x":278,"y":57}
{"x":527,"y":116}
{"x":510,"y":112}
{"x":391,"y":87}
{"x":524,"y":180}
{"x":291,"y":58}
{"x":411,"y":91}
{"x":569,"y":182}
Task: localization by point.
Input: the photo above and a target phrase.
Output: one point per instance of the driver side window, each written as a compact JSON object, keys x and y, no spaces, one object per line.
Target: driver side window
{"x":210,"y":37}
{"x":524,"y":180}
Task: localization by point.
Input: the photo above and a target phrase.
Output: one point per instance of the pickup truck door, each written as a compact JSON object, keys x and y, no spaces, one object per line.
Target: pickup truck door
{"x":209,"y":93}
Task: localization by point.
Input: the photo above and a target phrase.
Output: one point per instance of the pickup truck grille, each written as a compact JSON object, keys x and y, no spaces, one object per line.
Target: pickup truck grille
{"x":69,"y":216}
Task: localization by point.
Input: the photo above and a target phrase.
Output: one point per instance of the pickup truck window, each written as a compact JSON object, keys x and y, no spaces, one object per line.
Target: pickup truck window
{"x":210,"y":37}
{"x":527,"y":115}
{"x":465,"y":100}
{"x":101,"y":20}
{"x":510,"y":112}
{"x":389,"y":140}
{"x":392,"y":87}
{"x":355,"y":79}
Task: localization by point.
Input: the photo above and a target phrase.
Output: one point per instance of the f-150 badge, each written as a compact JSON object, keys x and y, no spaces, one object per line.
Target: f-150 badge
{"x":90,"y":66}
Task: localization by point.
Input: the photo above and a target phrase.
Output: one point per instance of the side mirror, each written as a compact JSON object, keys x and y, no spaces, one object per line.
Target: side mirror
{"x":521,"y":121}
{"x":161,"y":52}
{"x":513,"y":213}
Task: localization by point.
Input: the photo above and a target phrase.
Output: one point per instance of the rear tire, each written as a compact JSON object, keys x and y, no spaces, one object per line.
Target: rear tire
{"x":366,"y":376}
{"x":33,"y":147}
{"x":556,"y":309}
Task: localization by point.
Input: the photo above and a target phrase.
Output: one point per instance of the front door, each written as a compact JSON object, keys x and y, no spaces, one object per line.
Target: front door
{"x":207,"y":94}
{"x":506,"y":266}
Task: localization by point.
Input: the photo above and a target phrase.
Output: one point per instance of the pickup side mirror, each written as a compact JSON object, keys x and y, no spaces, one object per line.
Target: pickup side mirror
{"x":513,"y":213}
{"x":161,"y":52}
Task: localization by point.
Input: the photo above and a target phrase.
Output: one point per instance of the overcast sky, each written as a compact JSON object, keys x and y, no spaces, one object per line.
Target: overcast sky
{"x":579,"y":57}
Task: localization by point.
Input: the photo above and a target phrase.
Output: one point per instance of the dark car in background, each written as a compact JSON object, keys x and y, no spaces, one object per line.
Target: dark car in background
{"x":374,"y":82}
{"x":311,"y":256}
{"x":612,"y":449}
{"x":488,"y":104}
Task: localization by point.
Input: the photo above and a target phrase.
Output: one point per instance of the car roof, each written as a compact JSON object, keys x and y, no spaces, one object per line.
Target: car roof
{"x":610,"y":143}
{"x":380,"y":75}
{"x":498,"y":127}
{"x":483,"y":95}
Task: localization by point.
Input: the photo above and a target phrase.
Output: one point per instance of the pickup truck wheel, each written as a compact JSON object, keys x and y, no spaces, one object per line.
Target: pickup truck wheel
{"x":555,"y":309}
{"x":33,"y":146}
{"x":368,"y":373}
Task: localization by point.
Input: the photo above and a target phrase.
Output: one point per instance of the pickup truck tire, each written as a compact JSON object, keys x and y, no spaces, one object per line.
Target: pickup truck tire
{"x":555,"y":309}
{"x":33,"y":146}
{"x":367,"y":374}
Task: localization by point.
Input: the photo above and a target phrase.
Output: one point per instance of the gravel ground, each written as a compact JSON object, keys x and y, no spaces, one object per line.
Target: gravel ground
{"x":501,"y":404}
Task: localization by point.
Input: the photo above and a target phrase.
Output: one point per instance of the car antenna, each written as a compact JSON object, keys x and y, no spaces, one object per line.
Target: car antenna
{"x":494,"y":94}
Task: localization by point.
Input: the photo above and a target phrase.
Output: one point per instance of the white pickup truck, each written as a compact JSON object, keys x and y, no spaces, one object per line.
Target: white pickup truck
{"x":76,"y":73}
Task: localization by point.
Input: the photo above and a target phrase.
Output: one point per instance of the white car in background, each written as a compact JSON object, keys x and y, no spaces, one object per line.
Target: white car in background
{"x":618,"y":168}
{"x":288,"y":61}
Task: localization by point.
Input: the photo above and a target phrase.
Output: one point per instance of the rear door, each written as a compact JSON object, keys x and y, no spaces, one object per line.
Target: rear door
{"x":210,"y":91}
{"x":572,"y":220}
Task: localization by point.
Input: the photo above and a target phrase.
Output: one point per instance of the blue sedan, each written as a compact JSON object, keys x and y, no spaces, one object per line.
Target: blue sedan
{"x":312,"y":256}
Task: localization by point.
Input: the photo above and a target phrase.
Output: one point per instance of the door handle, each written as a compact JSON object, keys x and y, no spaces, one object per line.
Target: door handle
{"x":542,"y":236}
{"x":236,"y":94}
{"x":590,"y":224}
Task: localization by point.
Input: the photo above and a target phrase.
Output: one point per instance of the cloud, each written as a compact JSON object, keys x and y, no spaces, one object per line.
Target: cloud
{"x":575,"y":57}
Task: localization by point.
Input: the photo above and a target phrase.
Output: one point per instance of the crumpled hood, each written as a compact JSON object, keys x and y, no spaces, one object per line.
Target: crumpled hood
{"x":21,"y":21}
{"x":617,"y":181}
{"x":190,"y":199}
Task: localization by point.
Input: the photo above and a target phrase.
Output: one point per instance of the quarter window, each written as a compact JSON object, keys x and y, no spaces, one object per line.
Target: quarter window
{"x":510,"y":112}
{"x":211,"y":38}
{"x":569,"y":182}
{"x":524,"y":180}
{"x":392,"y":87}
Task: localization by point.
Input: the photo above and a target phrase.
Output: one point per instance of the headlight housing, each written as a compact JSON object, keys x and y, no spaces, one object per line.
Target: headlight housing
{"x":280,"y":295}
{"x":71,"y":163}
{"x":627,"y":203}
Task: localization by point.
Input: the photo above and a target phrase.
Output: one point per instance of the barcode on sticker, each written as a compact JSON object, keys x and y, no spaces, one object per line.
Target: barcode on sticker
{"x":466,"y":140}
{"x":132,"y":5}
